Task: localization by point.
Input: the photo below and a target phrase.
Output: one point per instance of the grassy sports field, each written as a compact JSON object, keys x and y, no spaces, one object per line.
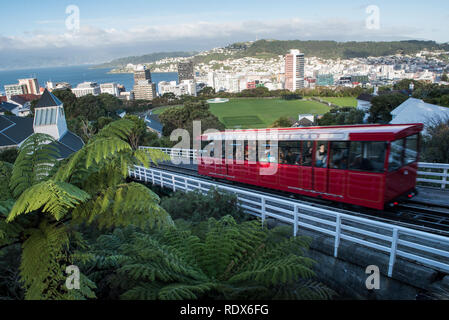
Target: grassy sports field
{"x":261,"y":113}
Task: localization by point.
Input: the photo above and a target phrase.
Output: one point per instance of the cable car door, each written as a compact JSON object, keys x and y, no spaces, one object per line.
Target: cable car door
{"x":320,"y":167}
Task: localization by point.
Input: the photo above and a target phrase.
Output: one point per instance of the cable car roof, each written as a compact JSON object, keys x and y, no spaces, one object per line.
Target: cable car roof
{"x":333,"y":133}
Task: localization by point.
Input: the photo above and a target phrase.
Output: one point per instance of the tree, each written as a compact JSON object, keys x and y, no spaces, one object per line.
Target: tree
{"x":207,"y":91}
{"x":436,"y":141}
{"x":9,"y":155}
{"x":282,"y":122}
{"x":196,"y":207}
{"x":381,"y":107}
{"x":444,"y":77}
{"x":224,"y":260}
{"x":342,"y":117}
{"x":49,"y":201}
{"x":183,"y":118}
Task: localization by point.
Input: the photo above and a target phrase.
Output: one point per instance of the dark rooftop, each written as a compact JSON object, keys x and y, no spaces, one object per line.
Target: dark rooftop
{"x":6,"y":106}
{"x":48,"y":99}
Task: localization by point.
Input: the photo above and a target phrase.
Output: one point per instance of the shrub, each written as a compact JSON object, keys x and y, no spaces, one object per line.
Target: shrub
{"x":196,"y":207}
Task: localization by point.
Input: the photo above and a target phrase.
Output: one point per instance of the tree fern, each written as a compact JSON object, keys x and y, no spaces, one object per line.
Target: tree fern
{"x":55,"y":198}
{"x":232,"y":261}
{"x":36,"y":159}
{"x":123,"y":205}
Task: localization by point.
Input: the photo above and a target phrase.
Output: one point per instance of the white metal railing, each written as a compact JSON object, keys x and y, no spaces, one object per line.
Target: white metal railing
{"x":438,"y":177}
{"x":422,"y":247}
{"x":178,"y":153}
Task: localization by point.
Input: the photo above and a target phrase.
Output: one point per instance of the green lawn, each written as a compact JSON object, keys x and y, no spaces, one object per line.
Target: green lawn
{"x":342,"y":102}
{"x":261,"y":113}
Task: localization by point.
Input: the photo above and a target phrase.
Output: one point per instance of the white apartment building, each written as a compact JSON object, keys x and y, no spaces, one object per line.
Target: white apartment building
{"x":111,"y":88}
{"x":85,"y":88}
{"x":186,"y":87}
{"x":14,"y":90}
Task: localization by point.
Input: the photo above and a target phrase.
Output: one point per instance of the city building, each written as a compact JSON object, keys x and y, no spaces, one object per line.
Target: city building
{"x":325,"y":80}
{"x":185,"y":71}
{"x":144,"y":90}
{"x":49,"y":118}
{"x":57,"y":86}
{"x":111,"y":88}
{"x":15,"y":90}
{"x":6,"y":107}
{"x":85,"y":88}
{"x":31,"y":84}
{"x":294,"y":70}
{"x":186,"y":87}
{"x":141,"y":73}
{"x":128,"y":96}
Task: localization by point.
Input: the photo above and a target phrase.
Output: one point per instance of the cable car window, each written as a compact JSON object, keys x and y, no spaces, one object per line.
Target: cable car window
{"x":321,"y":154}
{"x":367,"y":156}
{"x":396,"y":160}
{"x":290,"y":152}
{"x":239,"y":151}
{"x":208,"y":149}
{"x":307,"y":153}
{"x":339,"y":155}
{"x":411,"y":149}
{"x":268,"y":152}
{"x":252,"y":151}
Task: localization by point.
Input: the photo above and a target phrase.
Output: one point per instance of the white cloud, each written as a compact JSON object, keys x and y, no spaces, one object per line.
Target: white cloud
{"x":90,"y":37}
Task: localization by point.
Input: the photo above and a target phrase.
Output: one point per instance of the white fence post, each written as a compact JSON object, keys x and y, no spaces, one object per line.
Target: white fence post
{"x":295,"y":231}
{"x":337,"y":236}
{"x":445,"y":173}
{"x":263,"y":211}
{"x":394,"y":248}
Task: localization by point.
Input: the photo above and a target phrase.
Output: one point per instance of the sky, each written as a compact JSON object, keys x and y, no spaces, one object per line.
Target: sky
{"x":46,"y":32}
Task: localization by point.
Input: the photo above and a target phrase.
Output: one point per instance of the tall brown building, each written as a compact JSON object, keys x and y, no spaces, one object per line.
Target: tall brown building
{"x":144,"y":89}
{"x":142,"y":74}
{"x":31,"y":84}
{"x":294,"y":70}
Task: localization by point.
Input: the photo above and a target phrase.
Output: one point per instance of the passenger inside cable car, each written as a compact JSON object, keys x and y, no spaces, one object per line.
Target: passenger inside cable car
{"x":321,"y":156}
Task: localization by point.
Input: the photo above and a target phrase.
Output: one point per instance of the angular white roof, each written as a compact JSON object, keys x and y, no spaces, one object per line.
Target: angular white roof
{"x":417,"y":111}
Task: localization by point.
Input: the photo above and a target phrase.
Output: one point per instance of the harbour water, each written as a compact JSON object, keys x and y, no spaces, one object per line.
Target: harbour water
{"x":76,"y":75}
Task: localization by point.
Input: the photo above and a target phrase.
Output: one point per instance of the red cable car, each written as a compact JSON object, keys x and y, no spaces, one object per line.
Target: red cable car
{"x":366,"y":165}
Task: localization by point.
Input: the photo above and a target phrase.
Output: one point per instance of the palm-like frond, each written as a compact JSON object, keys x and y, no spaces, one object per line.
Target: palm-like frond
{"x":36,"y":159}
{"x":55,"y":198}
{"x":233,"y":260}
{"x":123,"y":205}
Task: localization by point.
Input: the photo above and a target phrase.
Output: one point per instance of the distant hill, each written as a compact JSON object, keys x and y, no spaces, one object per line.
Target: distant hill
{"x":333,"y":49}
{"x":148,"y":58}
{"x":274,"y":48}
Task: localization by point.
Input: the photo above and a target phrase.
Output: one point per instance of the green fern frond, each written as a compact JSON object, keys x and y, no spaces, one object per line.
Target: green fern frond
{"x":36,"y":159}
{"x":40,"y":270}
{"x":184,"y":292}
{"x":55,"y":198}
{"x":5,"y":178}
{"x":120,"y":129}
{"x":123,"y":205}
